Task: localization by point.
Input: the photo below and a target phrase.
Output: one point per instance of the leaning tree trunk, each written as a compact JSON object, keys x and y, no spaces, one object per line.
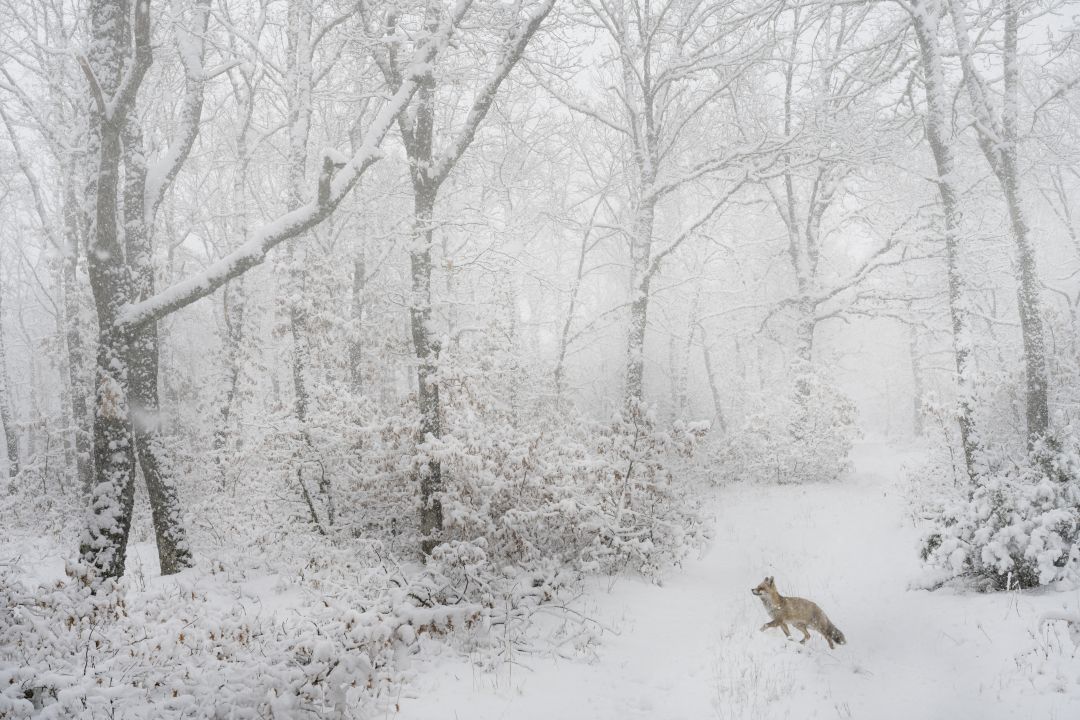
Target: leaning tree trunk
{"x":718,"y":405}
{"x":144,"y":366}
{"x":575,"y":289}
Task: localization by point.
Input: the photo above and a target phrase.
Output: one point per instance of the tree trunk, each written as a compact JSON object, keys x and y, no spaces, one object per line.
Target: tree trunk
{"x":299,"y":79}
{"x":427,"y":176}
{"x":10,"y":436}
{"x":114,"y":454}
{"x":937,"y":115}
{"x":233,"y":296}
{"x":356,"y":344}
{"x":113,"y":73}
{"x":918,"y":418}
{"x":998,"y":141}
{"x":718,"y":408}
{"x":427,"y":354}
{"x":144,"y":365}
{"x":641,"y":252}
{"x":73,"y":336}
{"x":233,"y":300}
{"x":1028,"y":302}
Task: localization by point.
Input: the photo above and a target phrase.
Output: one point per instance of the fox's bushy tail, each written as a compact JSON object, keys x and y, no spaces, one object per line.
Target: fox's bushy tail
{"x":835,"y":635}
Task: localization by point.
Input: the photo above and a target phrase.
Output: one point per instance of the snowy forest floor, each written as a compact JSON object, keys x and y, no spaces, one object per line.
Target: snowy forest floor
{"x":691,"y":649}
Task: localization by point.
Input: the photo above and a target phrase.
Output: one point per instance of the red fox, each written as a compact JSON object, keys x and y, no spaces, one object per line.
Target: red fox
{"x":797,"y":611}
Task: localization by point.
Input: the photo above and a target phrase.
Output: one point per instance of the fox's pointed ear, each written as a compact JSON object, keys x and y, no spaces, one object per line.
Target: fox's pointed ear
{"x":770,"y":580}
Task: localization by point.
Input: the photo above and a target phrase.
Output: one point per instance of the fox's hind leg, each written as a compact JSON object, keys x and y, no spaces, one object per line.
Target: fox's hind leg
{"x":806,"y":635}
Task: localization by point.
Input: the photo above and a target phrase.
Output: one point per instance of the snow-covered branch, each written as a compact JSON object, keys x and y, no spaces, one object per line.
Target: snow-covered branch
{"x":297,"y":221}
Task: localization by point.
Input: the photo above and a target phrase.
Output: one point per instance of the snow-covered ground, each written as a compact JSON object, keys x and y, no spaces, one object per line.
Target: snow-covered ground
{"x":691,"y":649}
{"x":688,"y":649}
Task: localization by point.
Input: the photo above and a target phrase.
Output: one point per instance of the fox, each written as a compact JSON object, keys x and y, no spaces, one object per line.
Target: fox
{"x":799,"y":612}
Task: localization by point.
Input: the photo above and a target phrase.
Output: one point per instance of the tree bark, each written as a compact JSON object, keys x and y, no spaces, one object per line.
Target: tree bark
{"x":718,"y":407}
{"x":356,"y":343}
{"x":427,"y":172}
{"x":918,"y":417}
{"x":427,"y":354}
{"x":937,"y":115}
{"x":10,"y":436}
{"x":641,"y":252}
{"x":80,"y":415}
{"x":143,"y":350}
{"x":998,"y":140}
{"x":299,"y":84}
{"x":112,"y":498}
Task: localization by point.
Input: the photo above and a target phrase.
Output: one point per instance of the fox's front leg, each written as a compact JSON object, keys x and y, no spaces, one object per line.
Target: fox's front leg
{"x":776,"y":623}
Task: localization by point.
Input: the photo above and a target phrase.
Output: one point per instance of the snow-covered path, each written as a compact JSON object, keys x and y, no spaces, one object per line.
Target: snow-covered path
{"x":691,"y":649}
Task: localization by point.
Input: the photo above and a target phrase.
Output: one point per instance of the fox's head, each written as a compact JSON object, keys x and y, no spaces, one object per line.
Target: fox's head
{"x":766,"y":586}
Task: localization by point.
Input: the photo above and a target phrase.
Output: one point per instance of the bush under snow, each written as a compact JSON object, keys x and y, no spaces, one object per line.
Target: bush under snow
{"x":1019,"y":526}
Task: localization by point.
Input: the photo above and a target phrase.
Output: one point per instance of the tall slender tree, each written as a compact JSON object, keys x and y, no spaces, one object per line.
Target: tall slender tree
{"x":428,"y":169}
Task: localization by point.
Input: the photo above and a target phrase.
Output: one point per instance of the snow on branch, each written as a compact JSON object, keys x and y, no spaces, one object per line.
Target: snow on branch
{"x":191,"y":45}
{"x":515,"y":47}
{"x":332,"y":189}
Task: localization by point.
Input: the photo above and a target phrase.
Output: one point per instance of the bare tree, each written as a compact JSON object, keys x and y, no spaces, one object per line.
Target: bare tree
{"x":672,"y":66}
{"x":119,"y":58}
{"x":925,"y":15}
{"x":833,"y":62}
{"x":428,"y":170}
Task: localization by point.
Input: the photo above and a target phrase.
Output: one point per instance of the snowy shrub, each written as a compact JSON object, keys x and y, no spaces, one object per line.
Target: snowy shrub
{"x":1019,"y":526}
{"x":804,"y":434}
{"x":599,"y":497}
{"x":67,"y":652}
{"x":530,"y":483}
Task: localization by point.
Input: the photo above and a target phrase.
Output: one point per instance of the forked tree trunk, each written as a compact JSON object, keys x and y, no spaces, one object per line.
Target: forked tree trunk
{"x":111,"y":500}
{"x":427,"y":173}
